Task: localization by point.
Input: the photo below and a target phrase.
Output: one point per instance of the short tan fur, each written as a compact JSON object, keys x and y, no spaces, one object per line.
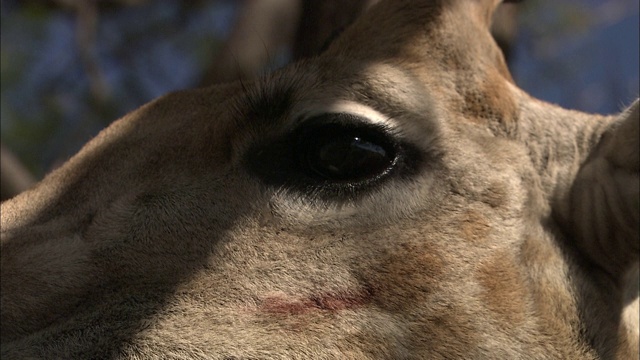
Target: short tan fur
{"x":504,"y":228}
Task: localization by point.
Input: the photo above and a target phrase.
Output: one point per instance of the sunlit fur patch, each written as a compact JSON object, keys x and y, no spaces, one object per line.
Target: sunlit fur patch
{"x":364,"y":112}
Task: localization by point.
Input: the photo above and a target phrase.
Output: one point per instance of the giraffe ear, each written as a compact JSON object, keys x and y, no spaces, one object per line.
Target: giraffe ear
{"x":605,"y":197}
{"x":622,"y":149}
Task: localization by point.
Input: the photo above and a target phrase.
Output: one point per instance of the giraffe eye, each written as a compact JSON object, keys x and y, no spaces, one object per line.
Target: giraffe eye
{"x":333,"y":156}
{"x":345,"y":151}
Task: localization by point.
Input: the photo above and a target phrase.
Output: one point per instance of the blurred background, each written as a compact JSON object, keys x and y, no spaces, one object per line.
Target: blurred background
{"x":70,"y":67}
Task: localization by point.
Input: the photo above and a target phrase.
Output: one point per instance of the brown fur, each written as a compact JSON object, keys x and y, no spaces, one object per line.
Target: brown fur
{"x":159,"y":240}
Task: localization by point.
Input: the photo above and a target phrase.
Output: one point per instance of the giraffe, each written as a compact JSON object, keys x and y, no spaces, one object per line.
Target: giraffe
{"x":396,"y":197}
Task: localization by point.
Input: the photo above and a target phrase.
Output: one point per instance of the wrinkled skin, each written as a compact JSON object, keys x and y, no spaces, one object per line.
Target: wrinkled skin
{"x":504,"y":227}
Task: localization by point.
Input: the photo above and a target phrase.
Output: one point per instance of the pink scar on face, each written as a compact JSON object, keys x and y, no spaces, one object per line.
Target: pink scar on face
{"x":283,"y":304}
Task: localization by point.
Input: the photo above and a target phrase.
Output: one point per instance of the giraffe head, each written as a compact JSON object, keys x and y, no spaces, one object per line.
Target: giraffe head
{"x":395,"y":197}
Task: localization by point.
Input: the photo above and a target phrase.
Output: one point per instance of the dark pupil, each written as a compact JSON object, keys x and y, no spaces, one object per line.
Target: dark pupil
{"x":347,"y":158}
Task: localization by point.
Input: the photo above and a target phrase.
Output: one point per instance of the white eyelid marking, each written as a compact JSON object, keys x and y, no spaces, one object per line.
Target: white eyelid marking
{"x":349,"y":107}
